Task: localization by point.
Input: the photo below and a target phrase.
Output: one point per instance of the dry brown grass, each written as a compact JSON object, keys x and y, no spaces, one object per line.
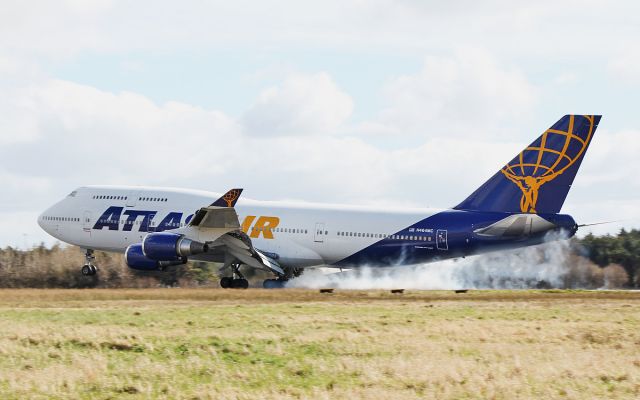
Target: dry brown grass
{"x":190,"y":343}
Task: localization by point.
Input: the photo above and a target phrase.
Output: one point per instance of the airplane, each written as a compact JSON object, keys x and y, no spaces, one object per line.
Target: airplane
{"x":157,"y":228}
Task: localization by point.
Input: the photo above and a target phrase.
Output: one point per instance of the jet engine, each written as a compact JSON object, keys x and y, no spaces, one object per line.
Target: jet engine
{"x":137,"y":260}
{"x":167,"y":246}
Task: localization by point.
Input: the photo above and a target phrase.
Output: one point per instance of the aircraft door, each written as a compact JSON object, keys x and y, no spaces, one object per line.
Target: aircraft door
{"x":131,"y":199}
{"x":318,"y":235}
{"x":86,"y":221}
{"x":441,"y":239}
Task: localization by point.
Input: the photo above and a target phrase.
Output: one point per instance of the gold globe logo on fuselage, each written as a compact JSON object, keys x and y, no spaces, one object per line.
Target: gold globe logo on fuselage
{"x":544,"y":161}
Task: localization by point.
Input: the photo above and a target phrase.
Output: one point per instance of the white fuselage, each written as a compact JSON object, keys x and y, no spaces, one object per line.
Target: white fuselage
{"x":300,"y":234}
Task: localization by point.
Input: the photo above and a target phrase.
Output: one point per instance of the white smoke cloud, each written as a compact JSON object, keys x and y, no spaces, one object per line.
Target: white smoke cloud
{"x":540,"y":266}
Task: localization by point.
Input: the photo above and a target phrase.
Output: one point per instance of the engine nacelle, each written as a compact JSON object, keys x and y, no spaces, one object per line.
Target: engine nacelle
{"x":137,"y":260}
{"x":167,"y":246}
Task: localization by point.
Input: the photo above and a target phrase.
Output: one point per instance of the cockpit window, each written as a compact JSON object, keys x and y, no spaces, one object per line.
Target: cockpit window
{"x":73,"y":194}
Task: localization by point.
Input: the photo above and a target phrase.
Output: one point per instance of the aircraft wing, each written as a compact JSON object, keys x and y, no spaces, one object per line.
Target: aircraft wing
{"x":241,"y":250}
{"x":219,"y":225}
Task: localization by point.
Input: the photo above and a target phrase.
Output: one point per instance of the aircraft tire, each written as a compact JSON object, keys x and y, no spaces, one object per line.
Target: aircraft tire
{"x":93,"y":269}
{"x":273,"y":284}
{"x":240,"y":284}
{"x":226,"y":282}
{"x":86,"y":270}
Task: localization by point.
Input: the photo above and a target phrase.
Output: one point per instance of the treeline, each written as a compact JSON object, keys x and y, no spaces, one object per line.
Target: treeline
{"x":594,"y":262}
{"x":622,"y":249}
{"x":59,"y":267}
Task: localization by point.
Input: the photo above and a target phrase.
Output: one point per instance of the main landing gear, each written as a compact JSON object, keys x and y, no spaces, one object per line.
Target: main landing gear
{"x":282,"y":280}
{"x":88,"y":268}
{"x":274,"y":283}
{"x":237,"y":281}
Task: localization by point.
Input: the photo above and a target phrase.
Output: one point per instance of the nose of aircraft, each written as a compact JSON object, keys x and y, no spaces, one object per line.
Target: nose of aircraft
{"x":43,"y":222}
{"x":40,"y":220}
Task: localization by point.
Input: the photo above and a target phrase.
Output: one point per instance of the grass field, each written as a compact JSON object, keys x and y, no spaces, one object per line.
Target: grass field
{"x":207,"y":343}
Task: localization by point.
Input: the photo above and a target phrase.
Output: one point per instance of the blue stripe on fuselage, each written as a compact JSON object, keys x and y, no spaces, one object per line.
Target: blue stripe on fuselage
{"x":113,"y":216}
{"x":452,"y":234}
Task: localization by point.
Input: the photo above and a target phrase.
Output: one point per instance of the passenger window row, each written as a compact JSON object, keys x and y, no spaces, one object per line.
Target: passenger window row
{"x":350,"y":234}
{"x":61,"y":219}
{"x":137,"y":222}
{"x":101,"y":197}
{"x":281,"y":230}
{"x":110,"y":197}
{"x":385,"y":236}
{"x":291,"y":230}
{"x":152,"y":199}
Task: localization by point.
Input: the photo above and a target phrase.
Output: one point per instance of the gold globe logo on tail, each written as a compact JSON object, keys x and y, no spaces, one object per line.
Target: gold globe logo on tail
{"x":544,"y":162}
{"x":231,"y":196}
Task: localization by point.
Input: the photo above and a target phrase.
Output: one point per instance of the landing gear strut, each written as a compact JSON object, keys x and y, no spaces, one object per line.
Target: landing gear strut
{"x":236,"y":281}
{"x":88,"y":268}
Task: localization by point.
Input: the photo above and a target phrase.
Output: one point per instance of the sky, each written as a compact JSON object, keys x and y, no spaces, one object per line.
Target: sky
{"x":394,"y":103}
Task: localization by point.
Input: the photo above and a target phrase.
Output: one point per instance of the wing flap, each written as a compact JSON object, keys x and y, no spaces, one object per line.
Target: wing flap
{"x":234,"y":242}
{"x":270,"y":263}
{"x":249,"y":255}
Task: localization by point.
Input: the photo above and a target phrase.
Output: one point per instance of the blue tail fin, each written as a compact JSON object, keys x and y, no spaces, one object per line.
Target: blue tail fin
{"x":538,"y":179}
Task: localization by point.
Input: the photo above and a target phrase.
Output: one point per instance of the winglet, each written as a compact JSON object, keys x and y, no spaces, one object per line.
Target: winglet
{"x":229,"y":199}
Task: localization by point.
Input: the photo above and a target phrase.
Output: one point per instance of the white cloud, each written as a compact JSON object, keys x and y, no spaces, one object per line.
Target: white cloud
{"x":20,"y":230}
{"x":304,"y":104}
{"x":612,"y":161}
{"x":62,"y":29}
{"x":611,"y":215}
{"x":625,"y":67}
{"x":120,"y":132}
{"x":566,"y":78}
{"x":442,"y":130}
{"x":87,"y":136}
{"x":464,"y":93}
{"x":607,"y":187}
{"x":84,"y":135}
{"x":53,"y":29}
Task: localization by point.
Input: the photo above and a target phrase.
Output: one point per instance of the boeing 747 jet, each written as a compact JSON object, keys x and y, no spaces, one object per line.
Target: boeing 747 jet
{"x":157,"y":228}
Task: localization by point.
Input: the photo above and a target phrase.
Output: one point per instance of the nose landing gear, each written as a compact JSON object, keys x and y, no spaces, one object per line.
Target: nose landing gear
{"x":88,"y":269}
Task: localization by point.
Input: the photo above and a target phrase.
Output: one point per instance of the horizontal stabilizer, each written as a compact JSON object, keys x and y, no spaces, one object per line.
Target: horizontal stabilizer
{"x":516,"y":225}
{"x":599,"y":223}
